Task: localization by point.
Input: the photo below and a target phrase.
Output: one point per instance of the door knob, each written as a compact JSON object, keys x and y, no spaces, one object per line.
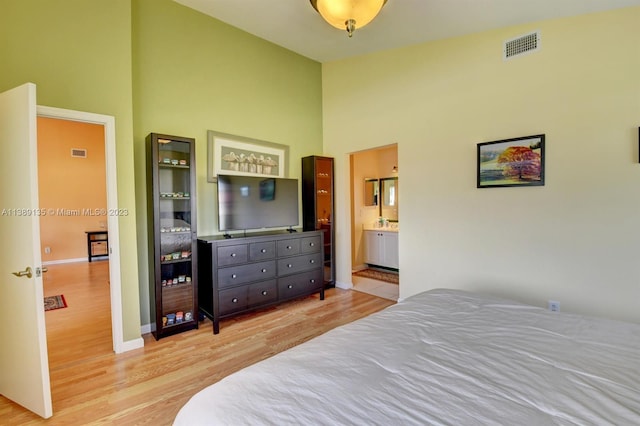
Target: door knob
{"x":26,"y":273}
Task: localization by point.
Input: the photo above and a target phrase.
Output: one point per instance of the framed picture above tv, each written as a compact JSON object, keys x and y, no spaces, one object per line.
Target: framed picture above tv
{"x":511,"y":162}
{"x":237,"y":155}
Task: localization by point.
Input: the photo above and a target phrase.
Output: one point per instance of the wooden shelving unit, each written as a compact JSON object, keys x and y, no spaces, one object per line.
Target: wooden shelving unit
{"x":173,"y":290}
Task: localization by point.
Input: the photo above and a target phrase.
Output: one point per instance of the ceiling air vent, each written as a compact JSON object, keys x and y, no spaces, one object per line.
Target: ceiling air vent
{"x":521,"y":45}
{"x":77,"y":152}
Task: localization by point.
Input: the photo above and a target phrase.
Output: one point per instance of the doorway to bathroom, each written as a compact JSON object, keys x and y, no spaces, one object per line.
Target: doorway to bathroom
{"x":374,"y":221}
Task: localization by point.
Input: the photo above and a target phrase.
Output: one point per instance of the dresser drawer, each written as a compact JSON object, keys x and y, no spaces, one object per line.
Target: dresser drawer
{"x":310,"y":244}
{"x":99,"y":248}
{"x":288,"y":247}
{"x":263,"y":293}
{"x":293,"y":265}
{"x":232,"y":255}
{"x":233,"y":299}
{"x":304,"y":283}
{"x":233,"y":275}
{"x":262,"y":251}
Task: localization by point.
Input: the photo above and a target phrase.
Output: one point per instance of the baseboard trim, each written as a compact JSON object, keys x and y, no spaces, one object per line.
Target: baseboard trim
{"x":57,"y":262}
{"x":130,"y":345}
{"x":359,"y":268}
{"x":145,"y":329}
{"x":344,"y":286}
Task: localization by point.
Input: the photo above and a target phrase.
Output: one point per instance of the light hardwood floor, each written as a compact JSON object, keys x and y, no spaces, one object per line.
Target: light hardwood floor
{"x":90,"y":384}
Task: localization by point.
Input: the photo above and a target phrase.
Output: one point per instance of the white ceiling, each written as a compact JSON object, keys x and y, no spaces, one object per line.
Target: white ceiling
{"x":295,"y":25}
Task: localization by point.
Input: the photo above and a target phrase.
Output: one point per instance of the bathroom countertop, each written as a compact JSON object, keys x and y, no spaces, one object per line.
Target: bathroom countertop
{"x":382,"y":229}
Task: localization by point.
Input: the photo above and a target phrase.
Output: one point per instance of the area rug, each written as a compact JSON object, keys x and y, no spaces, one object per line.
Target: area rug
{"x":375,"y":274}
{"x":54,"y":302}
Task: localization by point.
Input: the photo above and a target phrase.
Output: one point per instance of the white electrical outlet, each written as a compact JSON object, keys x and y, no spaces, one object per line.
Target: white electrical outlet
{"x":47,"y":250}
{"x":554,"y":306}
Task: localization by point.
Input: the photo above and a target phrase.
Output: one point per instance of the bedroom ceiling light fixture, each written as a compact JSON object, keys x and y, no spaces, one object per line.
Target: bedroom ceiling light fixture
{"x":347,"y":14}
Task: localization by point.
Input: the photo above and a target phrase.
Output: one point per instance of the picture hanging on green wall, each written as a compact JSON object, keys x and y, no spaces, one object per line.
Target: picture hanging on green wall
{"x":238,"y":155}
{"x":511,"y":162}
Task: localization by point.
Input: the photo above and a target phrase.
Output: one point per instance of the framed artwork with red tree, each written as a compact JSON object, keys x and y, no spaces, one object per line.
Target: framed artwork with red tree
{"x":511,"y":162}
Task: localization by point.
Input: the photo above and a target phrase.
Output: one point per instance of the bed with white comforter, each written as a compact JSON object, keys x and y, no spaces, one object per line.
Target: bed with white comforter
{"x":442,"y":357}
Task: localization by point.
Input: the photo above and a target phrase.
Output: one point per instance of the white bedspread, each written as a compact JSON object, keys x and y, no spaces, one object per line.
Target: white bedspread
{"x":441,"y":357}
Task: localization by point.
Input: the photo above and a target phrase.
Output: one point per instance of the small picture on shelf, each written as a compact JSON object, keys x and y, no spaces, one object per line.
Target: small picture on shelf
{"x":175,"y":229}
{"x":180,"y":279}
{"x":171,"y":319}
{"x":173,"y":161}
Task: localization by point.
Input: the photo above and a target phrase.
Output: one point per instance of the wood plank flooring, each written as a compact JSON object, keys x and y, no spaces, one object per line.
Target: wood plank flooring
{"x":90,"y":384}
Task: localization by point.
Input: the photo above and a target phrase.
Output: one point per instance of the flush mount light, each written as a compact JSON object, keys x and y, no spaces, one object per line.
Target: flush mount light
{"x":347,"y":14}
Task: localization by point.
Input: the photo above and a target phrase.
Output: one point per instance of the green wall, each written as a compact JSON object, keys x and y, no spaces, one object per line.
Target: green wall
{"x":192,"y":73}
{"x":157,"y":66}
{"x":78,"y":53}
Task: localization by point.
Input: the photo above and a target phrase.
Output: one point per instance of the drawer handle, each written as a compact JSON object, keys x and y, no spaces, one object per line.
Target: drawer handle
{"x":312,"y":281}
{"x":263,"y":251}
{"x":289,"y":265}
{"x":233,"y":276}
{"x":288,"y":247}
{"x":312,"y":261}
{"x":312,"y":244}
{"x":233,"y":255}
{"x":264,"y":292}
{"x":289,"y":286}
{"x":264,"y":270}
{"x":234,"y":300}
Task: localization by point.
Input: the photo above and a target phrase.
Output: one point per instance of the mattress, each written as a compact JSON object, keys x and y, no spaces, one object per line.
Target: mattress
{"x":443,"y":357}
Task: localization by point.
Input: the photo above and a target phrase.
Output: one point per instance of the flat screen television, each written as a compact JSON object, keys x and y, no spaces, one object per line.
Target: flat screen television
{"x":252,"y":202}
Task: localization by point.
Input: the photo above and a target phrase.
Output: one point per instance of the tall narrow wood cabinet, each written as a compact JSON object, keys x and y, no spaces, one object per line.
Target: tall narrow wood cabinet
{"x":318,"y":207}
{"x":171,"y":189}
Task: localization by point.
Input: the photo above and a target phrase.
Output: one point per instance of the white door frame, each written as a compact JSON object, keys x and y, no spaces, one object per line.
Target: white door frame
{"x":115,"y":285}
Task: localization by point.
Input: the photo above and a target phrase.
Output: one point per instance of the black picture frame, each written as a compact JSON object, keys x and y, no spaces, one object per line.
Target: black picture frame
{"x":511,"y":162}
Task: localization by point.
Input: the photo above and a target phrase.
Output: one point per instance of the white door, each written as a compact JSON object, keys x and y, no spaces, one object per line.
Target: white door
{"x":24,"y":364}
{"x":371,"y":248}
{"x":391,"y":252}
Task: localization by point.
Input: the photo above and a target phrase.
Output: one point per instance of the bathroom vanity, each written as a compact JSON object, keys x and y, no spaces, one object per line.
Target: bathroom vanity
{"x":381,"y":247}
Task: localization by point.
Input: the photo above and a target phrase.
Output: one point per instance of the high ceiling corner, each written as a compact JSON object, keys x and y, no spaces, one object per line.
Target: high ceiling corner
{"x":295,"y":25}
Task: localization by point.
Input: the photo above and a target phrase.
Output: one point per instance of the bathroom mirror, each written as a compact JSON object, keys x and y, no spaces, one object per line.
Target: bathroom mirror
{"x":389,"y":205}
{"x":371,"y":192}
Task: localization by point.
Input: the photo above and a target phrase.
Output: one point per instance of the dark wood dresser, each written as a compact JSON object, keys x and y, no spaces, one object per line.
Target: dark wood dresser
{"x":240,"y":274}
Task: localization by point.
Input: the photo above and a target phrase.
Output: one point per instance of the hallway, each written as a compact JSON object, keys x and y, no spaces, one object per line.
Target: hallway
{"x":82,"y":330}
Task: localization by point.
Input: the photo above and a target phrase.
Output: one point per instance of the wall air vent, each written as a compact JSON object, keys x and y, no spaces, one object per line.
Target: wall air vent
{"x":521,"y":45}
{"x":77,"y":152}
